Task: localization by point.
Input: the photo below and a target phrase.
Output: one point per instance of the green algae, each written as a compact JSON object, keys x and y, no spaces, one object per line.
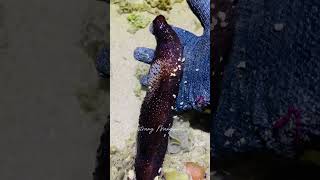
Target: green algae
{"x":129,"y":6}
{"x":137,"y":21}
{"x":165,"y":5}
{"x":140,"y":11}
{"x":138,"y":92}
{"x":141,"y":70}
{"x":172,"y":174}
{"x":139,"y":89}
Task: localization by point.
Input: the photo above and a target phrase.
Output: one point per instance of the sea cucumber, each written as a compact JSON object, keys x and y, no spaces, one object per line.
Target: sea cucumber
{"x":156,"y":114}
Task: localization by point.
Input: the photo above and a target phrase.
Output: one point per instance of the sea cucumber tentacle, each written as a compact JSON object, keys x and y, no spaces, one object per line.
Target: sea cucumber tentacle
{"x":156,"y":111}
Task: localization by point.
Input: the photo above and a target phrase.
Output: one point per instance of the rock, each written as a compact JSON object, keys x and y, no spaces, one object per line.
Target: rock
{"x":196,"y":171}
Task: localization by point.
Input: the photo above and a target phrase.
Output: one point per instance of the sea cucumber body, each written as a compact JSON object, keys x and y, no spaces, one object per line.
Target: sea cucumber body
{"x":156,"y":111}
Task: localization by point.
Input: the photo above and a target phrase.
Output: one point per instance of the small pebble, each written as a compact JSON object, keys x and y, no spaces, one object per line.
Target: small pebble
{"x":130,"y":174}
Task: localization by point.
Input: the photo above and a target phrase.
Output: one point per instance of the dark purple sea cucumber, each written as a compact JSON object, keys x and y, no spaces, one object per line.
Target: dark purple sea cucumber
{"x":156,"y":114}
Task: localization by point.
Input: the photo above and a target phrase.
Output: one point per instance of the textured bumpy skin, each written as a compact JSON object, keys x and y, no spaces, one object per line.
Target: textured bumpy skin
{"x":273,"y":75}
{"x":157,"y":108}
{"x":194,"y":91}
